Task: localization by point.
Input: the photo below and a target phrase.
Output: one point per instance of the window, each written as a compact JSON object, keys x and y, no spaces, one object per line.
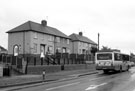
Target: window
{"x":81,"y":43}
{"x":58,"y":39}
{"x":35,"y":35}
{"x":16,"y":50}
{"x":117,"y":56}
{"x":64,"y":50}
{"x":105,"y":56}
{"x":50,"y":49}
{"x":86,"y":45}
{"x":58,"y":50}
{"x":67,"y":41}
{"x":51,"y":38}
{"x":35,"y":48}
{"x":64,"y":40}
{"x":125,"y":57}
{"x":68,"y":50}
{"x":89,"y":45}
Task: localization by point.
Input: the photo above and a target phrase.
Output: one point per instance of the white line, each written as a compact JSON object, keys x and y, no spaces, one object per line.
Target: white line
{"x":63,"y":86}
{"x":96,"y":78}
{"x":94,"y":86}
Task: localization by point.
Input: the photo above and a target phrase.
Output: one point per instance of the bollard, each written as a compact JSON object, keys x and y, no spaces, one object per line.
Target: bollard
{"x":43,"y":74}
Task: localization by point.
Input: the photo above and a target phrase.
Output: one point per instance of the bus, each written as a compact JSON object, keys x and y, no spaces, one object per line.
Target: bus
{"x":112,"y":61}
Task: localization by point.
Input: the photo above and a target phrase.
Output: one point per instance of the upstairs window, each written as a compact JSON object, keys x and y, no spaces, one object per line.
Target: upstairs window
{"x":64,"y":40}
{"x":57,"y":39}
{"x":35,"y":35}
{"x":89,"y":45}
{"x":51,"y":38}
{"x":67,"y":41}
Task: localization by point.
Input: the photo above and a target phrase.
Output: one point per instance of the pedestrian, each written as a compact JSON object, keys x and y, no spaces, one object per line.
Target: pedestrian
{"x":43,"y":74}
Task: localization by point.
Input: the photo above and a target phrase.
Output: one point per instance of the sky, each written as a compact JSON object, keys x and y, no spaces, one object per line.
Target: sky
{"x":113,"y":19}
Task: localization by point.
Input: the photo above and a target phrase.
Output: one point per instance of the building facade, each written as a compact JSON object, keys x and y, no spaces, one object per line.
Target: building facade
{"x":35,"y":38}
{"x":81,"y":44}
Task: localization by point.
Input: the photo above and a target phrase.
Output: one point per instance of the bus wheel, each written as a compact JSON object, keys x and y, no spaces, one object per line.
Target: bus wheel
{"x":120,"y":68}
{"x":128,"y":68}
{"x":106,"y":71}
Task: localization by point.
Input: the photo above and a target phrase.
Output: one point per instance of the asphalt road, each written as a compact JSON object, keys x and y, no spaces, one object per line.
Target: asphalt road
{"x":124,"y":81}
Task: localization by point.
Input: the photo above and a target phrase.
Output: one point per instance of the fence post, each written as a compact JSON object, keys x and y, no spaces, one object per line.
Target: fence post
{"x":34,"y":61}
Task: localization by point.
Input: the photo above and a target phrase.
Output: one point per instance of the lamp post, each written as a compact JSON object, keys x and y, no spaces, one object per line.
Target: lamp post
{"x":98,"y":41}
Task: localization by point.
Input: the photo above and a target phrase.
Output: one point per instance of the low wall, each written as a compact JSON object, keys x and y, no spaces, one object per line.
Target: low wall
{"x":39,"y":69}
{"x":79,"y":66}
{"x":57,"y":68}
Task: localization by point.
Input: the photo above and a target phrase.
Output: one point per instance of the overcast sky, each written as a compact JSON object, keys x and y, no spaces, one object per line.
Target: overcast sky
{"x":113,"y":19}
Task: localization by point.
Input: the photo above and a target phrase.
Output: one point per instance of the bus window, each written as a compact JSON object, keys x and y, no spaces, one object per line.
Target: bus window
{"x":117,"y":57}
{"x":105,"y":56}
{"x":125,"y":57}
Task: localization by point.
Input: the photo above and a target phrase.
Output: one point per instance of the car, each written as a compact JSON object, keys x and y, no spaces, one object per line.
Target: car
{"x":131,"y":64}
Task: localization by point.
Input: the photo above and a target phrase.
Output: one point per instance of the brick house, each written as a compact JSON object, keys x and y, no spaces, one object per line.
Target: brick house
{"x":35,"y":38}
{"x":81,"y":44}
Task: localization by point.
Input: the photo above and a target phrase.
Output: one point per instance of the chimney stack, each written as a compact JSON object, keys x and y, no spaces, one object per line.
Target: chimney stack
{"x":80,"y":33}
{"x":44,"y":22}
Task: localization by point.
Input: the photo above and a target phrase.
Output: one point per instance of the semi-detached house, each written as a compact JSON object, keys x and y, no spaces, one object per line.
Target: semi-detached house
{"x":81,"y":44}
{"x":35,"y":38}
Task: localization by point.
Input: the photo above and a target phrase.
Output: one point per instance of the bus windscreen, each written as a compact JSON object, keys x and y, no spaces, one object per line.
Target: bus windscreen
{"x":105,"y":56}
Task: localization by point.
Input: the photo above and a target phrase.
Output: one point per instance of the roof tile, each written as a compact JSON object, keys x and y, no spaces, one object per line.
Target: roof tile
{"x":76,"y":37}
{"x":32,"y":26}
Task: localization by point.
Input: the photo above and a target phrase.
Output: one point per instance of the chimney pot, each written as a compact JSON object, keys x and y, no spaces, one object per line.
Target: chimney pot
{"x":44,"y":22}
{"x":80,"y":33}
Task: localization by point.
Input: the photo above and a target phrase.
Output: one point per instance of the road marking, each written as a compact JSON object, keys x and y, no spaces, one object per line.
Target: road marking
{"x":96,"y":78}
{"x":94,"y":86}
{"x":63,"y":86}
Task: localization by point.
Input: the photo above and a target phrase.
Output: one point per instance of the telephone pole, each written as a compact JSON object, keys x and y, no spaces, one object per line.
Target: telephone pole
{"x":98,"y":41}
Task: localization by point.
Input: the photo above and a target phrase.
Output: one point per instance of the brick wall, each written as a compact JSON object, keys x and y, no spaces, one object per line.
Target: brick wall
{"x":38,"y":69}
{"x":57,"y":68}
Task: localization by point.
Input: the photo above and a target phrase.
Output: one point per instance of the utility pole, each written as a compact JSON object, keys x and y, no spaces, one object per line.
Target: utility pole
{"x":98,"y":41}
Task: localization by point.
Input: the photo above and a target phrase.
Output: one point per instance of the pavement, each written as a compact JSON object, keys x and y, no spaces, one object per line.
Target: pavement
{"x":33,"y":79}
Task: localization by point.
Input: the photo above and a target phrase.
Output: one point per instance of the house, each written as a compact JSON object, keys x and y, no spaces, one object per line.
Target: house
{"x":37,"y":39}
{"x":3,"y":50}
{"x":81,"y":44}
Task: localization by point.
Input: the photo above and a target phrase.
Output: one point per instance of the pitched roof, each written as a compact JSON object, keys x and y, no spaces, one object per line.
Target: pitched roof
{"x":76,"y":37}
{"x":3,"y":50}
{"x":32,"y":26}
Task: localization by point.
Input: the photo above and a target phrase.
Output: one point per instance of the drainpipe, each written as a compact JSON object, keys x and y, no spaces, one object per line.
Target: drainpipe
{"x":23,"y":44}
{"x":24,"y":62}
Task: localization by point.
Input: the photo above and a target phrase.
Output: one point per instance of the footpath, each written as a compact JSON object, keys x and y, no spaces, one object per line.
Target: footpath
{"x":33,"y":79}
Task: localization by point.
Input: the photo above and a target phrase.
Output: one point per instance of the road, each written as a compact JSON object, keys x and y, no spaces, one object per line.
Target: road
{"x":124,"y":81}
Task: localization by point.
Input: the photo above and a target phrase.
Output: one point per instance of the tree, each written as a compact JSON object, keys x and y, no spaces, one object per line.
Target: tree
{"x":105,"y":48}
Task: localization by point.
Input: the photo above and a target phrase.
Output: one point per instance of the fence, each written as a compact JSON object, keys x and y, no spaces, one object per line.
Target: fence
{"x":57,"y":59}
